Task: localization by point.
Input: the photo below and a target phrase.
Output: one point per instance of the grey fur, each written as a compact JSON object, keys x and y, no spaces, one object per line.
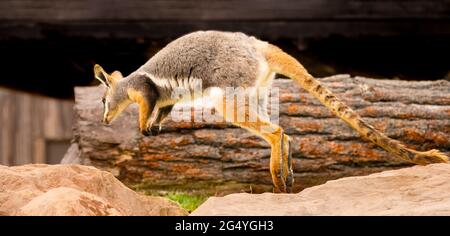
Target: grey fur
{"x":218,"y":59}
{"x":215,"y":58}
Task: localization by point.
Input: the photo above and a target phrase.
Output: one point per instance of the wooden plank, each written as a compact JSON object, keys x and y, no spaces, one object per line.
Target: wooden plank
{"x":49,"y":10}
{"x":58,"y":119}
{"x":157,"y":19}
{"x":38,"y":131}
{"x":23,"y":135}
{"x":269,"y":30}
{"x":66,"y":118}
{"x":5,"y":133}
{"x":39,"y":149}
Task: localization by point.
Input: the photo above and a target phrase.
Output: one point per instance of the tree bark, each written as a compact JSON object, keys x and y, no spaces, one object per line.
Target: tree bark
{"x":218,"y":157}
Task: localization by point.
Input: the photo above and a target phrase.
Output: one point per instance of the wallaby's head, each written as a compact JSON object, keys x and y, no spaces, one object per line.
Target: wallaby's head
{"x":115,"y":99}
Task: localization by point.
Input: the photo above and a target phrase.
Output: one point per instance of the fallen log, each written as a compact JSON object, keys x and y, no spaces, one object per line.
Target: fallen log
{"x":219,"y":157}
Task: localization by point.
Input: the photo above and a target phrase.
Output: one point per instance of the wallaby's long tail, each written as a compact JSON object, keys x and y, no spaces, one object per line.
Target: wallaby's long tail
{"x":282,"y":63}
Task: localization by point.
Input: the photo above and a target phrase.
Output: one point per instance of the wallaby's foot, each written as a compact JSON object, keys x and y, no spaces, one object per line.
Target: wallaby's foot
{"x":429,"y":157}
{"x":280,"y":172}
{"x":279,"y":182}
{"x":284,"y":181}
{"x":290,"y":176}
{"x":279,"y":186}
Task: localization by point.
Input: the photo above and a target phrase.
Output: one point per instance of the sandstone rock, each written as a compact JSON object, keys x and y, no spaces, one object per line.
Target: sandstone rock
{"x":68,"y":201}
{"x":73,"y":190}
{"x":418,"y":190}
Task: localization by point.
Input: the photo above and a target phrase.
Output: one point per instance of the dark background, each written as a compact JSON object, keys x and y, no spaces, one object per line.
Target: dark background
{"x":49,"y":46}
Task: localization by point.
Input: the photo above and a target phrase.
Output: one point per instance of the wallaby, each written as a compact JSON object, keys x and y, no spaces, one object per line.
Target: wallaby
{"x":227,"y":59}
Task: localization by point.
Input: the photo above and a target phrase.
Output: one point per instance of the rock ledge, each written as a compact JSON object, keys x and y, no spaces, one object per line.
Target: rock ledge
{"x":418,"y":190}
{"x":39,"y":189}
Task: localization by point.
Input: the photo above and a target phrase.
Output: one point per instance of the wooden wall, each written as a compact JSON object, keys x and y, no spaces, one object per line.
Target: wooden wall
{"x":55,"y":38}
{"x":33,"y":129}
{"x":280,"y":18}
{"x":49,"y":10}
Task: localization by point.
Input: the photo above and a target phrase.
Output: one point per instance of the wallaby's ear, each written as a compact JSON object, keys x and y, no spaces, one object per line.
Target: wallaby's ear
{"x":105,"y":78}
{"x":117,"y":75}
{"x":101,"y":75}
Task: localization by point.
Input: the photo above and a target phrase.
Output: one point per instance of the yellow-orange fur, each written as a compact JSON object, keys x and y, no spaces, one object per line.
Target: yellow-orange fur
{"x":144,"y":112}
{"x":273,"y":134}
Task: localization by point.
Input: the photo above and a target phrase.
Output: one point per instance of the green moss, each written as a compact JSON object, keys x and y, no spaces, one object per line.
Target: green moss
{"x":207,"y":188}
{"x":192,"y":195}
{"x":188,"y":201}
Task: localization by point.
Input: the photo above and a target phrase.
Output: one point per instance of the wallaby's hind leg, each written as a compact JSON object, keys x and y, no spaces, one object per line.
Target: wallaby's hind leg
{"x":272,"y":133}
{"x":279,"y":156}
{"x":287,"y":145}
{"x":286,"y":171}
{"x":286,"y":161}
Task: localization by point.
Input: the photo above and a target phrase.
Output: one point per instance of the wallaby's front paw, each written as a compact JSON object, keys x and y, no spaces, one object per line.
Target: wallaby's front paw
{"x":151,"y":131}
{"x":155,"y":130}
{"x":146,"y":132}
